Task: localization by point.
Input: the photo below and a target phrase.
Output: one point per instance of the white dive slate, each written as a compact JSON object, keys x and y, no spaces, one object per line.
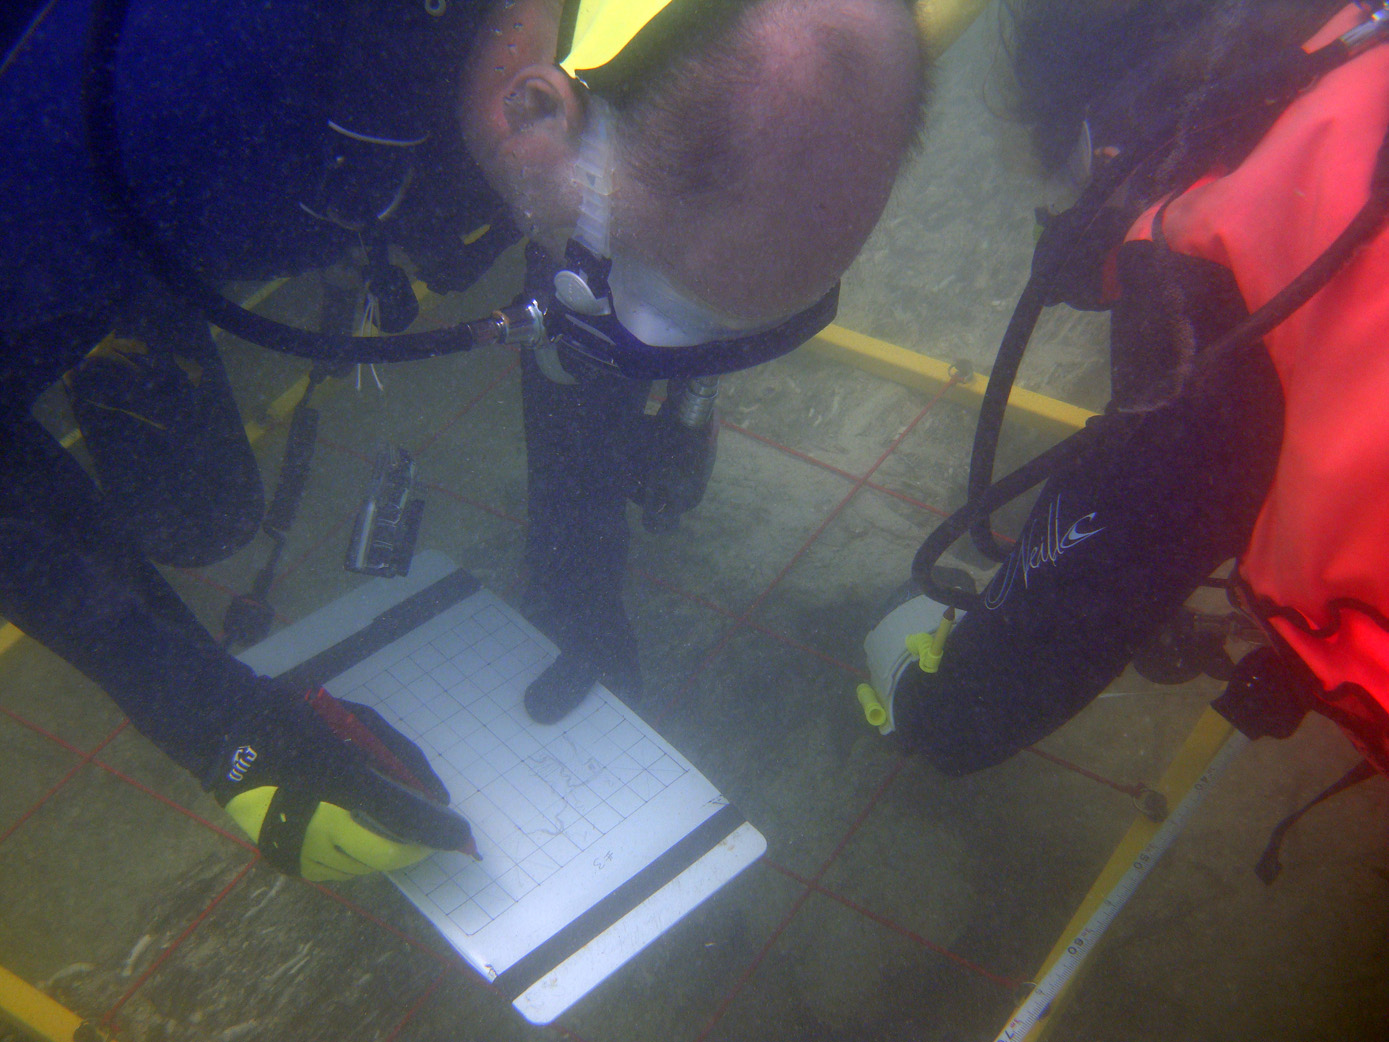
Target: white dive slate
{"x":596,"y":835}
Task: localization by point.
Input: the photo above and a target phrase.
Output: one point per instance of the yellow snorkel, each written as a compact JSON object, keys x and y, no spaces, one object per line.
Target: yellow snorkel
{"x":594,"y":32}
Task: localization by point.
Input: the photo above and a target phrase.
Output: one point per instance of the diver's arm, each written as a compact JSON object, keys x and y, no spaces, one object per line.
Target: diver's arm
{"x":282,"y":764}
{"x":70,"y":579}
{"x":1116,"y":541}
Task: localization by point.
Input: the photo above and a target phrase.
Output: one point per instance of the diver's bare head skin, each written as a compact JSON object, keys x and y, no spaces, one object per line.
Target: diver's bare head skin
{"x":750,"y":169}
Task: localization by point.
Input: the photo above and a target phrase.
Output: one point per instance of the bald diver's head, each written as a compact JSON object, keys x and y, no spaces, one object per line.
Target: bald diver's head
{"x":754,"y":143}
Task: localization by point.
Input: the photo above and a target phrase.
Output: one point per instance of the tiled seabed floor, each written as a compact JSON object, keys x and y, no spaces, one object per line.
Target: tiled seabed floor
{"x":892,"y":903}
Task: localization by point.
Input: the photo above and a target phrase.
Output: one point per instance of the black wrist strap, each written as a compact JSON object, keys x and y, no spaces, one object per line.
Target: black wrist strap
{"x":282,"y":832}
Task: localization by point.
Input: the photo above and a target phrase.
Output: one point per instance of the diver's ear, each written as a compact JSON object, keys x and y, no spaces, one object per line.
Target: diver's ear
{"x":541,"y":99}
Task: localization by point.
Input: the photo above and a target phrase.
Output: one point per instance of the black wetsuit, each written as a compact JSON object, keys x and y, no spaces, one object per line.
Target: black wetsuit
{"x":1121,"y":537}
{"x":223,"y":112}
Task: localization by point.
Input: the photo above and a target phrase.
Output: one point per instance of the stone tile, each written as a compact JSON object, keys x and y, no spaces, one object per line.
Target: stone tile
{"x":997,"y":862}
{"x":760,"y":508}
{"x":481,"y":457}
{"x":674,"y":636}
{"x":834,"y":976}
{"x":45,"y":691}
{"x":931,"y":465}
{"x":277,"y":958}
{"x":488,"y":546}
{"x":462,"y":1009}
{"x":844,"y":584}
{"x":777,"y":732}
{"x":33,"y":765}
{"x":419,"y":400}
{"x":833,"y":412}
{"x":673,"y":989}
{"x":99,"y":882}
{"x":135,"y":757}
{"x":915,"y":869}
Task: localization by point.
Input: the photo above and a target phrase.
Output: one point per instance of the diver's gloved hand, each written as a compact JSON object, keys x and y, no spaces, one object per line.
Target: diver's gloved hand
{"x":672,"y":466}
{"x":329,"y":790}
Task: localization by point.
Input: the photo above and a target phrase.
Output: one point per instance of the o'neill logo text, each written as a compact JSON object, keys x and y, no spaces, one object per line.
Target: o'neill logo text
{"x":241,"y":763}
{"x":1035,"y":549}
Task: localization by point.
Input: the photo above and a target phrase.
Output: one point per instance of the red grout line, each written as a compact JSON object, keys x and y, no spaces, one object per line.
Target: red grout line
{"x":72,"y":773}
{"x":109,"y":1017}
{"x":168,"y":801}
{"x":696,"y":598}
{"x":568,"y":1033}
{"x":345,"y":450}
{"x":312,"y":549}
{"x":474,"y":503}
{"x":939,"y":512}
{"x":1007,"y":540}
{"x":741,"y":982}
{"x":41,"y":801}
{"x":202,"y":579}
{"x":882,"y":920}
{"x":810,"y":886}
{"x":467,"y":406}
{"x":395,"y":931}
{"x":728,"y":613}
{"x":1134,"y":789}
{"x":417,"y":1005}
{"x":796,"y":453}
{"x":857,"y":823}
{"x":41,"y":731}
{"x":806,"y":649}
{"x":859,"y":484}
{"x":1005,"y":982}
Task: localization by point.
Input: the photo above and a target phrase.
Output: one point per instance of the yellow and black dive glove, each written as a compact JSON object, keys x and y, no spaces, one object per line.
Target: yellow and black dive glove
{"x":329,"y":790}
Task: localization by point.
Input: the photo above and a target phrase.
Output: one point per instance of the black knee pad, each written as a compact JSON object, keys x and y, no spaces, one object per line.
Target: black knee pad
{"x":171,"y":454}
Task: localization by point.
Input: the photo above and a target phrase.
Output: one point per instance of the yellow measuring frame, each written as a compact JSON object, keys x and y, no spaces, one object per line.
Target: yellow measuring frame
{"x":924,"y":373}
{"x":35,"y":1013}
{"x":1212,"y":736}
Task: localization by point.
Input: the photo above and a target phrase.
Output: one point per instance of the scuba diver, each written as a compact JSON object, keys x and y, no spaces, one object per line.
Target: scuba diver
{"x":1234,"y":226}
{"x":659,"y":156}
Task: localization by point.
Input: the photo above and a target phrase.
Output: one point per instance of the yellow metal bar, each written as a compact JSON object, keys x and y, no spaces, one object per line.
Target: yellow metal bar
{"x":928,"y":374}
{"x":1206,"y":739}
{"x":35,"y":1013}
